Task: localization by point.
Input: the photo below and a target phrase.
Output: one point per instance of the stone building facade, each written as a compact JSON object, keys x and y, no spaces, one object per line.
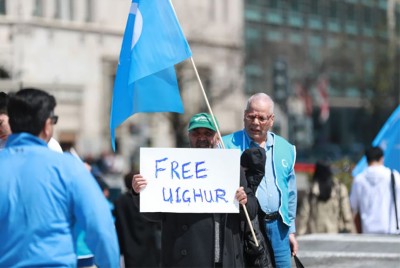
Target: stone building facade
{"x":71,"y":48}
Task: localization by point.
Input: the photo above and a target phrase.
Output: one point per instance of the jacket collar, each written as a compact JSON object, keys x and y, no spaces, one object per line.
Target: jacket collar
{"x":23,"y":139}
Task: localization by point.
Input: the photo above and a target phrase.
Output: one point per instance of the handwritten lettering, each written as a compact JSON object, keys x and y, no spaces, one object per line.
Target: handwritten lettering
{"x":187,"y":170}
{"x":157,"y":168}
{"x":198,"y":170}
{"x":174,"y":166}
{"x":180,"y":195}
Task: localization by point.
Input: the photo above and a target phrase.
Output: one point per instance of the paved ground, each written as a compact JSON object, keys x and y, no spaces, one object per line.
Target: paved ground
{"x":349,"y":250}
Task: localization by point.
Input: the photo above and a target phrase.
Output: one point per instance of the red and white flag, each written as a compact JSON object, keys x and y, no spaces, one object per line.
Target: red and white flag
{"x":324,"y":99}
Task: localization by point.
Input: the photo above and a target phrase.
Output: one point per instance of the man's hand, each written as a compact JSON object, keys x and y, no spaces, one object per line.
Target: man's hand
{"x":241,"y":196}
{"x":138,"y":183}
{"x":294,"y":246}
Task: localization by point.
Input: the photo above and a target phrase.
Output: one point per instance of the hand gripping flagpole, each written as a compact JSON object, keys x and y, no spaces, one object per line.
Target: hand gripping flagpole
{"x":222,"y":143}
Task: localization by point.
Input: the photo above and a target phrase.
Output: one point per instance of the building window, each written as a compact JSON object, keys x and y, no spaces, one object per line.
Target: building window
{"x":57,"y":9}
{"x":274,"y":4}
{"x":315,"y":22}
{"x":333,"y":10}
{"x":252,"y":34}
{"x":369,"y":67}
{"x":350,"y":25}
{"x":333,"y":23}
{"x":274,"y":17}
{"x":382,"y":4}
{"x":367,"y":21}
{"x":254,"y":69}
{"x":2,"y":7}
{"x":296,"y":20}
{"x":38,"y":8}
{"x":352,"y":46}
{"x":252,"y":14}
{"x":367,"y":48}
{"x":295,"y":5}
{"x":71,"y":9}
{"x":314,"y":18}
{"x":350,"y":13}
{"x":315,"y":41}
{"x":89,"y":10}
{"x":367,"y":18}
{"x":226,"y":10}
{"x":314,"y":7}
{"x":333,"y":43}
{"x":380,"y":19}
{"x":296,"y":38}
{"x":212,"y":10}
{"x":368,"y":2}
{"x":273,"y":35}
{"x":381,"y":23}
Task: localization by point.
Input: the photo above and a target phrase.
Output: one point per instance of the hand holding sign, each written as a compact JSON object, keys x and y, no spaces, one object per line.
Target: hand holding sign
{"x":138,"y":183}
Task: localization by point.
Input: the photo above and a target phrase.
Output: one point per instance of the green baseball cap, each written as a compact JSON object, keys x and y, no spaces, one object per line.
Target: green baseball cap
{"x":202,"y":120}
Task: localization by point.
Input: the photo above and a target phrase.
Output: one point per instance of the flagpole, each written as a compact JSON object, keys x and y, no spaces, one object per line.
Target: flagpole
{"x":208,"y":104}
{"x":221,"y":141}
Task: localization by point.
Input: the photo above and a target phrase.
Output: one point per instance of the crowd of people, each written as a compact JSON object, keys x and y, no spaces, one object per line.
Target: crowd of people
{"x":54,"y":210}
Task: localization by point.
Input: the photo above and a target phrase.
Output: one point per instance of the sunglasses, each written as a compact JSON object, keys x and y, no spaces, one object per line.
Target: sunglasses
{"x":53,"y":118}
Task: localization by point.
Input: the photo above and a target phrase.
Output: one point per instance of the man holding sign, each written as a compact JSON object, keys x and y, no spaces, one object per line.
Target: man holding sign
{"x":202,"y":239}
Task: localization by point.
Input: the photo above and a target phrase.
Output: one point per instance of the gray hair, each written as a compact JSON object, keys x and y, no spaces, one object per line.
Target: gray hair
{"x":261,"y":97}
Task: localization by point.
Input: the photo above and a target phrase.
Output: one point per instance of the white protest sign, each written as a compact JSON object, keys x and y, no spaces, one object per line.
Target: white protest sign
{"x":185,"y":180}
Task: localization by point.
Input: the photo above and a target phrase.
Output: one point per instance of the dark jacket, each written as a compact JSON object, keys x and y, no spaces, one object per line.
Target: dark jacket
{"x":188,"y":240}
{"x":253,"y":160}
{"x":136,"y":236}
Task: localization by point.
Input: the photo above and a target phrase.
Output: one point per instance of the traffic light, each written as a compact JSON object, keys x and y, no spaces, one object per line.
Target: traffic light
{"x":280,"y":80}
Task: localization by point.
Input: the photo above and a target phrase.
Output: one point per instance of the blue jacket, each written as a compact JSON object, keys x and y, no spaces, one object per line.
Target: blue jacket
{"x":284,"y":156}
{"x":43,"y":195}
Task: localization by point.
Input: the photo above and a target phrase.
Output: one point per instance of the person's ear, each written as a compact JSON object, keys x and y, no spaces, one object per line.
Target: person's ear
{"x":272,"y":120}
{"x":47,"y":130}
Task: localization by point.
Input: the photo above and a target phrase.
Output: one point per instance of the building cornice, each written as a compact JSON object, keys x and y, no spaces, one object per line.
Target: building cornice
{"x":93,"y":28}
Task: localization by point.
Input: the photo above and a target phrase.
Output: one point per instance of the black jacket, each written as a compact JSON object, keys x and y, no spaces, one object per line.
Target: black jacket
{"x":136,"y":236}
{"x":253,"y":160}
{"x":188,"y":240}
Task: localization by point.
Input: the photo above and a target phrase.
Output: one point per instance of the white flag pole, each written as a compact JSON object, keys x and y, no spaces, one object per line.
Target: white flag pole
{"x":221,"y":142}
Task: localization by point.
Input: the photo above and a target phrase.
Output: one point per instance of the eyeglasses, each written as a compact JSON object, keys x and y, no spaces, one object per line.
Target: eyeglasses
{"x":261,"y":119}
{"x":53,"y":118}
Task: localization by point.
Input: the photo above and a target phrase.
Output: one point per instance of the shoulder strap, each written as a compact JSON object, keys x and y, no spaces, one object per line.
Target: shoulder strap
{"x":394,"y":198}
{"x":340,"y":200}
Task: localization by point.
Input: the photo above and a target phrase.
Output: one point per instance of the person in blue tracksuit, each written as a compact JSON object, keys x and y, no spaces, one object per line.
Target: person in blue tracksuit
{"x":44,"y":194}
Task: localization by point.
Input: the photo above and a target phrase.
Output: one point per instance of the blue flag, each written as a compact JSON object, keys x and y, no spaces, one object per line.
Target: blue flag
{"x":388,"y":139}
{"x":153,"y":43}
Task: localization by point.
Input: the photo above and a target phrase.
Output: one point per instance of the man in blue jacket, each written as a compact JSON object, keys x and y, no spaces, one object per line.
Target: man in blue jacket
{"x":44,"y":194}
{"x":277,"y":193}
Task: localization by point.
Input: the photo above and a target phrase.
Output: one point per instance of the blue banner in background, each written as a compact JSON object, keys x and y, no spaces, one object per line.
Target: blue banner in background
{"x":388,"y":139}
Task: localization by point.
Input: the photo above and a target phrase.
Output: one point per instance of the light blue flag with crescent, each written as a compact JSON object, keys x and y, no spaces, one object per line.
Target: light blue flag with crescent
{"x":388,"y":139}
{"x":153,"y":43}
